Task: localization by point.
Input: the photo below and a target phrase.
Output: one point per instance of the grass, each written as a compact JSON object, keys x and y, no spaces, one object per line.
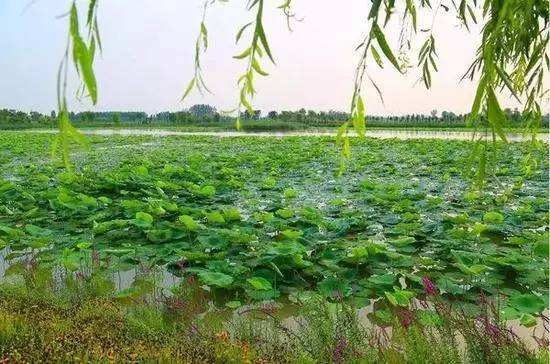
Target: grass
{"x":43,"y":322}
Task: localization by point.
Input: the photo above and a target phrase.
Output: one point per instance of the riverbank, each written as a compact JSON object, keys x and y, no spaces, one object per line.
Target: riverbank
{"x":83,"y":322}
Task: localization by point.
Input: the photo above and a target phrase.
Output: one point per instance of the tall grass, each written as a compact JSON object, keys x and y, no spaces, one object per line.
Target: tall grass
{"x":85,"y":319}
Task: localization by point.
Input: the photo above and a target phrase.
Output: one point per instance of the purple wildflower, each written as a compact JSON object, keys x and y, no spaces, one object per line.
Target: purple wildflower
{"x":193,"y":329}
{"x":338,"y":352}
{"x":406,"y":318}
{"x":492,"y":330}
{"x":95,"y":258}
{"x":429,"y":287}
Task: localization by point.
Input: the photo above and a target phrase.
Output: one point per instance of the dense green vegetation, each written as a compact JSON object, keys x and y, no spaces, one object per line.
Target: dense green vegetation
{"x":205,"y":116}
{"x":255,"y":220}
{"x":256,"y":228}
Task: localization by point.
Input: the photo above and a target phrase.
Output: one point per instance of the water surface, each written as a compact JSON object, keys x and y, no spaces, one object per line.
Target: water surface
{"x":374,"y":133}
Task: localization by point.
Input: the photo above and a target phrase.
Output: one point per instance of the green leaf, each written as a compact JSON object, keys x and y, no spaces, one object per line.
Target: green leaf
{"x":476,"y":105}
{"x":495,"y":115}
{"x":204,"y":33}
{"x":292,"y":234}
{"x":403,"y":241}
{"x":244,"y":54}
{"x":37,"y":231}
{"x":399,"y":297}
{"x":375,"y":6}
{"x":381,"y":39}
{"x":263,"y":39}
{"x":507,"y":81}
{"x":188,"y":88}
{"x":526,"y":303}
{"x":91,"y":8}
{"x":384,"y":280}
{"x":509,"y":313}
{"x":376,"y":57}
{"x":189,"y":223}
{"x":359,"y":119}
{"x":260,"y":283}
{"x":257,"y":68}
{"x":542,"y":248}
{"x":286,"y":248}
{"x":215,"y":217}
{"x":143,"y":219}
{"x":332,"y":286}
{"x":240,"y":32}
{"x":528,"y":320}
{"x":82,"y":57}
{"x":429,"y":318}
{"x":493,"y":217}
{"x":215,"y":279}
{"x":232,"y":214}
{"x":83,"y":245}
{"x":238,"y":125}
{"x":245,"y":102}
{"x":233,"y":304}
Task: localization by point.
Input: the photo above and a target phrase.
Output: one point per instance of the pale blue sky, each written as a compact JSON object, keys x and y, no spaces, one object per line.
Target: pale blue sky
{"x":148,"y":55}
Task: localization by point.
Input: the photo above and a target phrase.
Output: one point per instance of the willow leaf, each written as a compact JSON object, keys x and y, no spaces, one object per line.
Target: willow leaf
{"x":496,"y":116}
{"x":189,"y":88}
{"x":244,"y":54}
{"x":258,"y":69}
{"x":240,"y":32}
{"x":381,"y":39}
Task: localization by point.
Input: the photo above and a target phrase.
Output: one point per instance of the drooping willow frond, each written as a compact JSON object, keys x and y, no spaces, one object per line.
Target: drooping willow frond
{"x":201,"y":45}
{"x":83,"y":50}
{"x":512,"y":55}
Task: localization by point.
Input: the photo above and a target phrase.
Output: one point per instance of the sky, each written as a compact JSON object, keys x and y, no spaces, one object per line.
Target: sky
{"x":148,"y":48}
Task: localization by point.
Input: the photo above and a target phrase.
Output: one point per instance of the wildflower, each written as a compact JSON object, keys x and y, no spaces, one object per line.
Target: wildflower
{"x":193,"y":329}
{"x":338,"y":352}
{"x":492,"y":330}
{"x":406,"y":318}
{"x":177,"y":303}
{"x":95,"y":258}
{"x":429,"y":287}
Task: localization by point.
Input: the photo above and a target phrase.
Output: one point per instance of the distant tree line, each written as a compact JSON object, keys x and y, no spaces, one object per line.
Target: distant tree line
{"x":205,"y":115}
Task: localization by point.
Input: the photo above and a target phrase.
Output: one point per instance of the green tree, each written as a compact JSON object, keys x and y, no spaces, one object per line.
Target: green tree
{"x":116,"y":118}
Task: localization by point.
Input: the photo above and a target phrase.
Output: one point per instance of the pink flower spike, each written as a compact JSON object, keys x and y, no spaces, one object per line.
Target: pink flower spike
{"x":429,"y":287}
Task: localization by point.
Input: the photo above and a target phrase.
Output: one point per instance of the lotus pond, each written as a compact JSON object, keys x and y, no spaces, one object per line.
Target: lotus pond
{"x":267,"y":218}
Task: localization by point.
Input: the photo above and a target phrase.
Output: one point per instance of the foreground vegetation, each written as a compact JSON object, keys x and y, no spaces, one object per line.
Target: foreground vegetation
{"x":83,"y":320}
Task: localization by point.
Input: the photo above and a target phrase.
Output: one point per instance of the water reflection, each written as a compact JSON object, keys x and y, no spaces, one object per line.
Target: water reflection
{"x":122,"y":279}
{"x":374,"y":133}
